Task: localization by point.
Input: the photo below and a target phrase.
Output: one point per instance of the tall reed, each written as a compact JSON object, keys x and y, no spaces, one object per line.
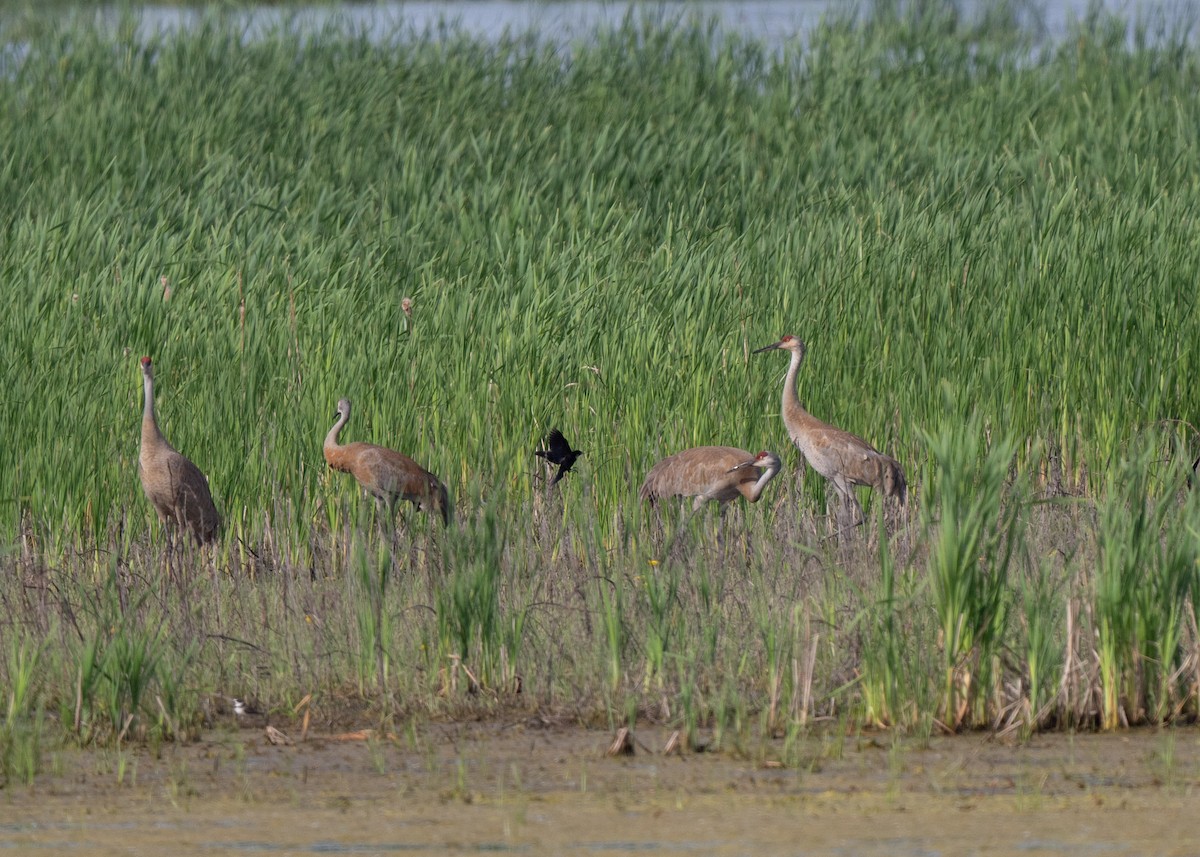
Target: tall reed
{"x":973,"y":525}
{"x":1147,"y":577}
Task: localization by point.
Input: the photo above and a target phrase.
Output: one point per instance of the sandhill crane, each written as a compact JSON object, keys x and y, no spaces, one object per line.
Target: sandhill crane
{"x":844,"y":459}
{"x":175,"y":487}
{"x":558,"y":451}
{"x":720,"y":473}
{"x":385,"y":474}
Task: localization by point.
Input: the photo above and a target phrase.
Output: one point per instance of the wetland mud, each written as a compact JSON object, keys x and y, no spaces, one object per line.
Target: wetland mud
{"x":520,"y":788}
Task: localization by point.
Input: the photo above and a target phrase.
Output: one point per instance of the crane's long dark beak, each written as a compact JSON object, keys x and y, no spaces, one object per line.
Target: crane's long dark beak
{"x":770,"y":347}
{"x":748,"y":463}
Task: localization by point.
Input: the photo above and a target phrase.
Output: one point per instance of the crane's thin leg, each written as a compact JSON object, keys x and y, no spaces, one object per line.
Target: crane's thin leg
{"x":174,"y":569}
{"x":721,"y":536}
{"x":165,"y":573}
{"x":856,"y":510}
{"x":668,"y":541}
{"x":834,"y":514}
{"x":746,"y":550}
{"x":392,"y":530}
{"x":382,"y":516}
{"x":655,"y":525}
{"x":678,"y":533}
{"x":848,"y":514}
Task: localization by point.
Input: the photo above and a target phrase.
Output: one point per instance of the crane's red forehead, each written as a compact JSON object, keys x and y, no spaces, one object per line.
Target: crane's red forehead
{"x":146,"y":361}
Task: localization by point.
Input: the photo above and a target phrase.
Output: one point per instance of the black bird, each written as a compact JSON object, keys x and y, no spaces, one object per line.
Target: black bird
{"x":558,"y":452}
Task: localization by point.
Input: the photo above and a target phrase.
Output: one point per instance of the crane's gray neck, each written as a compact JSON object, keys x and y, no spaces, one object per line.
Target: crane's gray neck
{"x":149,"y":420}
{"x":767,"y":475}
{"x":331,"y":439}
{"x":790,"y":396}
{"x":147,"y":396}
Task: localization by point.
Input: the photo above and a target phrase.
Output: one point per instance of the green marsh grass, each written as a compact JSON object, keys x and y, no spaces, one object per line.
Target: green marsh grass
{"x":595,"y":238}
{"x":883,"y":674}
{"x":972,"y":521}
{"x":22,"y":729}
{"x":1040,"y":610}
{"x":1148,"y":575}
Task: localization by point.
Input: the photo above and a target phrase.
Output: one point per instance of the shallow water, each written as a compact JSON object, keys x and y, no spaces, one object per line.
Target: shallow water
{"x":771,"y":21}
{"x":512,"y":788}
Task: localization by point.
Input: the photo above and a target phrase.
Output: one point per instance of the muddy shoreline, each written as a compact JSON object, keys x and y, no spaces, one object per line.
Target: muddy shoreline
{"x":510,"y":787}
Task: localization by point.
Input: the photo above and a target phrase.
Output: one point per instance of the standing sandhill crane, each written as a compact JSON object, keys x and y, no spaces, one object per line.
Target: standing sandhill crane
{"x":385,"y":474}
{"x":175,"y":487}
{"x":720,"y":473}
{"x":844,"y":459}
{"x":558,"y":451}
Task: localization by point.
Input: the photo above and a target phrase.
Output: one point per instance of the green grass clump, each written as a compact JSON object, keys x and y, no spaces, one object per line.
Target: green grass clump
{"x":594,"y":237}
{"x":22,"y":729}
{"x":1147,"y":581}
{"x":974,"y":528}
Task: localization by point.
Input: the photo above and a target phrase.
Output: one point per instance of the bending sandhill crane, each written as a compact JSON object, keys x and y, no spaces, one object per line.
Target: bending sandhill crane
{"x":844,"y":459}
{"x":385,"y":474}
{"x":558,"y":451}
{"x":720,"y":473}
{"x":175,"y":487}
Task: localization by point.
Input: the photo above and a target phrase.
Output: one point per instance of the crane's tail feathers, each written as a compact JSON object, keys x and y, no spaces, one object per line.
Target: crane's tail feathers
{"x":894,"y":484}
{"x":442,"y":502}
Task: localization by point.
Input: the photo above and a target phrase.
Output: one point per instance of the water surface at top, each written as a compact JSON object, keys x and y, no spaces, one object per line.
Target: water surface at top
{"x":771,"y":21}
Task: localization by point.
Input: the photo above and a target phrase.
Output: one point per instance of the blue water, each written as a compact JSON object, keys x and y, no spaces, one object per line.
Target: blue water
{"x":771,"y":21}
